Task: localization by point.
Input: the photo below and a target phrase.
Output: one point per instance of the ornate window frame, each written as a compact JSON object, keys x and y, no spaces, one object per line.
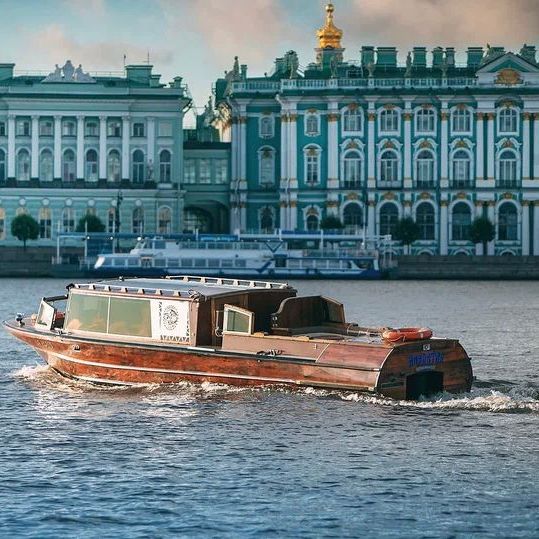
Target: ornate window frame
{"x":263,"y":153}
{"x":383,"y":112}
{"x":311,"y":115}
{"x":358,"y":113}
{"x":266,"y":126}
{"x":307,"y":153}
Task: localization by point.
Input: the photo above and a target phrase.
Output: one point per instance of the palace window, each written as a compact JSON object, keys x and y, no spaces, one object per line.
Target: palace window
{"x":164,"y":220}
{"x":138,"y":221}
{"x":69,"y":128}
{"x":389,"y":218}
{"x":462,"y":221}
{"x":46,"y":128}
{"x":221,"y":170}
{"x":45,"y":223}
{"x":266,"y":165}
{"x":2,"y":129}
{"x":23,"y":128}
{"x":508,"y":121}
{"x":2,"y":165}
{"x":352,"y":170}
{"x":352,"y":120}
{"x":2,"y":224}
{"x":113,"y":166}
{"x":68,"y":166}
{"x":507,"y":169}
{"x":312,"y":165}
{"x":204,"y":170}
{"x":266,"y":220}
{"x":462,"y":164}
{"x":46,"y":166}
{"x":352,"y":217}
{"x":425,"y":121}
{"x":91,"y":166}
{"x":165,"y":164}
{"x":91,"y":128}
{"x":68,"y":220}
{"x":389,"y":121}
{"x":425,"y":169}
{"x":111,"y":221}
{"x":23,"y":166}
{"x":424,"y":217}
{"x":165,"y":129}
{"x":312,"y":223}
{"x":507,"y":222}
{"x":461,"y":120}
{"x":138,"y":168}
{"x":389,"y":167}
{"x":189,"y":171}
{"x":138,"y":129}
{"x":114,"y":128}
{"x":266,"y":127}
{"x":312,"y":124}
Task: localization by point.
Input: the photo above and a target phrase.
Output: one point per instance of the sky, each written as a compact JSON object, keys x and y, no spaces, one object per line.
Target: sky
{"x":198,"y":39}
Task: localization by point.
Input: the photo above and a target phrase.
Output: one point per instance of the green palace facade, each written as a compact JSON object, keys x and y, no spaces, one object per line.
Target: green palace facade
{"x":371,"y":141}
{"x":108,"y":144}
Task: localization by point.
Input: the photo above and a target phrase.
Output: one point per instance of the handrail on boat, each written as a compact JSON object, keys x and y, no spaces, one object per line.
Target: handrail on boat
{"x":224,"y":281}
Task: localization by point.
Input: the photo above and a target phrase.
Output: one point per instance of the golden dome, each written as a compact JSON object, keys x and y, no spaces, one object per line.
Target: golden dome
{"x":329,"y":35}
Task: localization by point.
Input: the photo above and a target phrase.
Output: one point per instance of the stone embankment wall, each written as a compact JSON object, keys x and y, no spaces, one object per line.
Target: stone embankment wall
{"x":34,"y":262}
{"x":467,"y":267}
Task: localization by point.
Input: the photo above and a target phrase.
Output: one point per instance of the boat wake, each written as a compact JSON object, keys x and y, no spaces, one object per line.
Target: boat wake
{"x":492,"y":396}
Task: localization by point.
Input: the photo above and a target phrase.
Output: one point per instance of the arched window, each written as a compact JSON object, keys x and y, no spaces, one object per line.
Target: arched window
{"x":113,"y":166}
{"x":507,"y":169}
{"x":312,"y":165}
{"x":389,"y":217}
{"x":351,"y":120}
{"x":507,"y":121}
{"x":2,"y":224}
{"x":312,"y":124}
{"x":68,"y":166}
{"x":507,"y":222}
{"x":425,"y":121}
{"x":389,"y":121}
{"x":45,"y":223}
{"x":111,"y":221}
{"x":352,"y":217}
{"x":266,"y":127}
{"x":461,"y":120}
{"x":68,"y":220}
{"x":2,"y":166}
{"x":352,"y":170}
{"x":266,"y":166}
{"x":138,"y":167}
{"x":46,"y":166}
{"x":462,"y":169}
{"x":23,"y":166}
{"x":389,"y":167}
{"x":138,"y":221}
{"x":165,"y":163}
{"x":312,"y":222}
{"x":425,"y":169}
{"x":424,"y":217}
{"x":266,"y":220}
{"x":91,"y":166}
{"x":164,"y":220}
{"x":197,"y":219}
{"x":462,"y":220}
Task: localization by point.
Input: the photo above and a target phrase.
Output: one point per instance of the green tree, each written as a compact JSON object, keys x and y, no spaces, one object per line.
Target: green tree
{"x":24,"y":227}
{"x":482,"y":231}
{"x":331,"y":223}
{"x":407,"y":231}
{"x":90,"y":223}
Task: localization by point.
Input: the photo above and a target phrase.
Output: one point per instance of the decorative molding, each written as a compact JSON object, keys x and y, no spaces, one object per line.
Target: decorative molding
{"x":479,"y":115}
{"x":333,"y":117}
{"x":407,"y":116}
{"x":424,"y":196}
{"x":461,"y":195}
{"x":388,"y":107}
{"x":508,"y":77}
{"x":508,"y":196}
{"x":352,"y":196}
{"x":526,"y":115}
{"x":491,"y":115}
{"x":389,"y":196}
{"x":371,"y":116}
{"x":444,"y":116}
{"x":292,"y":117}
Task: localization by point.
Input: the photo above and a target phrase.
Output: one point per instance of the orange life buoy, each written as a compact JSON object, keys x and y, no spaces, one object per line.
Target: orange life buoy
{"x":406,"y":334}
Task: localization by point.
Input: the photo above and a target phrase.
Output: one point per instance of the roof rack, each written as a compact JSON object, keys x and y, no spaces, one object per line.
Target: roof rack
{"x":223,"y":281}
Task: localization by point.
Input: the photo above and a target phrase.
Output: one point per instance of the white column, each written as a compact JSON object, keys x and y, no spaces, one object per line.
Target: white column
{"x":102,"y":147}
{"x":243,"y":147}
{"x":11,"y":146}
{"x":536,"y":151}
{"x":444,"y":143}
{"x":333,"y":146}
{"x":234,"y":199}
{"x":407,"y":146}
{"x":480,"y":148}
{"x":34,"y":163}
{"x":57,"y":147}
{"x":293,"y":169}
{"x":125,"y":147}
{"x":371,"y":223}
{"x":443,"y":228}
{"x":80,"y":147}
{"x":284,"y":171}
{"x":491,"y":218}
{"x":490,"y":145}
{"x":151,"y":142}
{"x":371,"y":148}
{"x":526,"y":158}
{"x":536,"y":228}
{"x":525,"y":228}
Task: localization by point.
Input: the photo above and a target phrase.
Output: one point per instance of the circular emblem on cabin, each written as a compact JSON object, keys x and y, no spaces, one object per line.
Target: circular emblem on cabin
{"x":170,"y":317}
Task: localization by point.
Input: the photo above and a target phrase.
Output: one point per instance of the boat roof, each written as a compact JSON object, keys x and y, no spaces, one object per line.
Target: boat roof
{"x":185,"y":286}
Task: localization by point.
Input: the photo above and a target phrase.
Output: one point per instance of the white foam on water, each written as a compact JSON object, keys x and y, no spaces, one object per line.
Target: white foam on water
{"x":32,"y":372}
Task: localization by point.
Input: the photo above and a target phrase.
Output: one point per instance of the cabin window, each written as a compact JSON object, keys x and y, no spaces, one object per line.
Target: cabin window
{"x":238,"y":320}
{"x":130,"y":317}
{"x":87,"y":313}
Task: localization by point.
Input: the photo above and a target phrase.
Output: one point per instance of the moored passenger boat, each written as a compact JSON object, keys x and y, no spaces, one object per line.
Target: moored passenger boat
{"x":142,"y":331}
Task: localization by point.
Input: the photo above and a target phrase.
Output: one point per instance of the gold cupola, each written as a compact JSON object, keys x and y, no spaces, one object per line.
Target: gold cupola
{"x":329,"y":36}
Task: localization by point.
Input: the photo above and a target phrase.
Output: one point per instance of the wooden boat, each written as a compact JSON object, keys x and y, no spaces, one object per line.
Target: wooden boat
{"x":146,"y":331}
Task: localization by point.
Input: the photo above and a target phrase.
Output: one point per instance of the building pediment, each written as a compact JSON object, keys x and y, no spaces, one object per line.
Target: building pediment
{"x":508,"y":70}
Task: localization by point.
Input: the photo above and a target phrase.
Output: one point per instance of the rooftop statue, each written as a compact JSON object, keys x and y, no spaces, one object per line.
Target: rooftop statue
{"x":68,"y":73}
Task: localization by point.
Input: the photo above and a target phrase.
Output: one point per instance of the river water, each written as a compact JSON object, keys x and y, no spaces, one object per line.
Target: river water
{"x":212,"y":461}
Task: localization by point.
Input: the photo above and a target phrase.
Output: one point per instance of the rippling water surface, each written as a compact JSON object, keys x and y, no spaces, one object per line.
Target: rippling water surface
{"x":214,"y":461}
